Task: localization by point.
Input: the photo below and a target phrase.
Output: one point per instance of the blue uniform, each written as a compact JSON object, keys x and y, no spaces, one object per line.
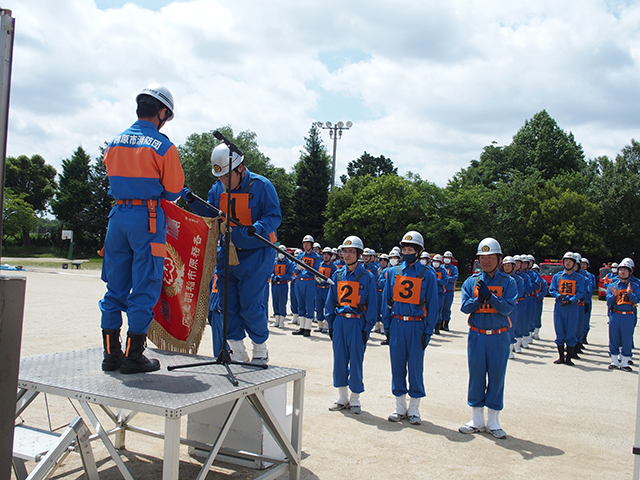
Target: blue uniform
{"x":255,"y":200}
{"x":565,"y":317}
{"x":306,"y":288}
{"x":411,"y":292}
{"x":542,"y":292}
{"x":143,"y":167}
{"x":622,"y":306}
{"x":442,"y":280}
{"x":322,"y":288}
{"x":534,"y":280}
{"x":515,"y":313}
{"x":523,"y":306}
{"x":449,"y":292}
{"x":351,"y":311}
{"x":588,"y":297}
{"x":280,"y":278}
{"x":489,"y":340}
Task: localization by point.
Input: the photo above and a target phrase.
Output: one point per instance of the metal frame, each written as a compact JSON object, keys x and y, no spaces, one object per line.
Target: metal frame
{"x":33,"y":380}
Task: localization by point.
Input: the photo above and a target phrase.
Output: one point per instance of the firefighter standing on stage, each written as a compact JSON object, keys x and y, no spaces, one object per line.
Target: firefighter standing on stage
{"x":255,"y":203}
{"x":488,"y":297}
{"x":452,"y":272}
{"x":351,"y":311}
{"x":568,"y":288}
{"x":622,"y":296}
{"x":143,"y":167}
{"x":306,"y":288}
{"x":280,"y":278}
{"x":411,"y":292}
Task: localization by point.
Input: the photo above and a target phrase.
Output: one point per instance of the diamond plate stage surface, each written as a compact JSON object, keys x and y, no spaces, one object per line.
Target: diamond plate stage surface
{"x":78,"y":375}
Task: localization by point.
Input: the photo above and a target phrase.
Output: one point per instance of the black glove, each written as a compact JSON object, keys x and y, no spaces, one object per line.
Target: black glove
{"x":425,"y":340}
{"x":483,"y":290}
{"x":251,"y":230}
{"x":365,"y":337}
{"x":331,"y":334}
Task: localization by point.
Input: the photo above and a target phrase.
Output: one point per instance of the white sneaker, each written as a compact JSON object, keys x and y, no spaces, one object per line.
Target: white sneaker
{"x":511,"y":354}
{"x":536,"y":334}
{"x":400,"y":411}
{"x":523,"y":342}
{"x":516,"y":346}
{"x":238,"y":352}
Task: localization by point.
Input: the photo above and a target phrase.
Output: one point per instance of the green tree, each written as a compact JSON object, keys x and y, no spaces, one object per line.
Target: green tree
{"x":615,"y":189}
{"x":18,"y":215}
{"x":313,"y":177}
{"x":195,"y":156}
{"x":369,"y":165}
{"x":33,"y":178}
{"x":100,"y":204}
{"x":73,"y":198}
{"x":539,"y":147}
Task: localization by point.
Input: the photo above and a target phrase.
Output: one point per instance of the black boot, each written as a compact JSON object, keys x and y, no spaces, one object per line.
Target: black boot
{"x":437,"y":329}
{"x":445,"y":325}
{"x":574,"y":352}
{"x":306,"y":332}
{"x":134,"y":361}
{"x":300,"y":331}
{"x":113,"y":356}
{"x":561,"y":353}
{"x":570,"y":355}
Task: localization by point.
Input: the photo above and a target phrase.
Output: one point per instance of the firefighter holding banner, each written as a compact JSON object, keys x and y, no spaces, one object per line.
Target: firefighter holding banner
{"x":488,"y":298}
{"x":143,"y":167}
{"x":254,"y":203}
{"x":411,"y":291}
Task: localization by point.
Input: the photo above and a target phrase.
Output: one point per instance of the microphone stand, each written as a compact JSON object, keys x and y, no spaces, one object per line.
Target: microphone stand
{"x":224,"y":358}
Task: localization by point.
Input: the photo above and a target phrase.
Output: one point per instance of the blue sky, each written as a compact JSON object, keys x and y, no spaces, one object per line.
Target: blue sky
{"x":426,"y":83}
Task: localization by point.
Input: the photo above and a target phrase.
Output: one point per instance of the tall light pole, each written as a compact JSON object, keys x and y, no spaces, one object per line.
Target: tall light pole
{"x":335,"y":133}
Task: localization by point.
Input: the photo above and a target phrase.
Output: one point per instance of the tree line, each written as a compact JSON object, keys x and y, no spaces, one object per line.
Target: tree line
{"x":537,"y":195}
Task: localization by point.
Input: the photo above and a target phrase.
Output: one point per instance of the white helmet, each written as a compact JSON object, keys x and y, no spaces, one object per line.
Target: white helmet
{"x":316,"y":245}
{"x":160,"y":93}
{"x":412,"y":238}
{"x":531,"y":258}
{"x":308,"y":238}
{"x":396,"y":249}
{"x":448,"y":254}
{"x":509,"y":259}
{"x":570,"y":256}
{"x":524,"y":257}
{"x":384,"y":256}
{"x":334,"y":250}
{"x":353,"y":242}
{"x":628,"y":263}
{"x":220,"y":160}
{"x":437,"y":258}
{"x":282,"y":247}
{"x":536,"y":266}
{"x":425,"y":254}
{"x":585,"y":260}
{"x":327,"y":250}
{"x":577,"y":257}
{"x":298,"y":251}
{"x":614,"y":266}
{"x":517,"y":258}
{"x":394,"y":253}
{"x":489,"y":246}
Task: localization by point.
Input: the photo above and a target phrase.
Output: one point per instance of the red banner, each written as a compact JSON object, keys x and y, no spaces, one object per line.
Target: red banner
{"x":181,"y":312}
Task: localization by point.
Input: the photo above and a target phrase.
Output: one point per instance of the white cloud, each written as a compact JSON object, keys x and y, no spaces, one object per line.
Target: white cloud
{"x":429,"y":84}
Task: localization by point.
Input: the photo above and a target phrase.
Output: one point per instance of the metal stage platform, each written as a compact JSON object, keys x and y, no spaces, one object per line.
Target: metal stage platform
{"x":172,"y":394}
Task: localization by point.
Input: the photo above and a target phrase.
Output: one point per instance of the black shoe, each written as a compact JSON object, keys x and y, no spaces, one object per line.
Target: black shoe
{"x":306,"y":332}
{"x":300,"y":331}
{"x":631,"y":362}
{"x":134,"y":361}
{"x":560,"y":359}
{"x":569,"y":356}
{"x":445,"y":326}
{"x":385,"y":342}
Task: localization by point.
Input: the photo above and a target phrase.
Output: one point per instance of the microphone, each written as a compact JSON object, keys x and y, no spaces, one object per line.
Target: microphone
{"x":228,"y":142}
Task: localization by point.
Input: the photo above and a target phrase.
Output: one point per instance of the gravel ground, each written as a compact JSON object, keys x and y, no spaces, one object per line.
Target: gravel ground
{"x":562,"y":422}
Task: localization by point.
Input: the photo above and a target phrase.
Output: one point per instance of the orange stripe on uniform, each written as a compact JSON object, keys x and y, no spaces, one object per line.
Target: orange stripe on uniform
{"x":133,"y":162}
{"x":172,"y":176}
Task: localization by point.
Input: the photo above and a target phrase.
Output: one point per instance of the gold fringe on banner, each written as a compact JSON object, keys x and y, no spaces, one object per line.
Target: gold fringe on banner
{"x":163,"y":339}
